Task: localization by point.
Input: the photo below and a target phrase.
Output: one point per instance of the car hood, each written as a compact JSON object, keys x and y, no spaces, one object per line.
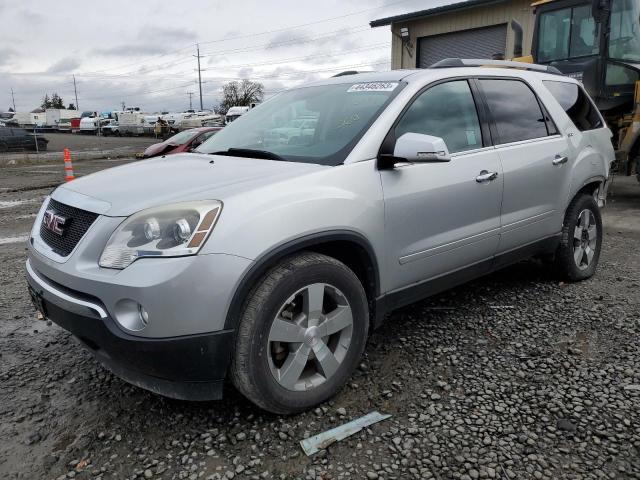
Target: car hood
{"x":124,"y":190}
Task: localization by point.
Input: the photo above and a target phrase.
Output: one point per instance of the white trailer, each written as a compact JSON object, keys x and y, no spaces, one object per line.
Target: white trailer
{"x":55,"y":115}
{"x":131,"y":123}
{"x":28,"y":120}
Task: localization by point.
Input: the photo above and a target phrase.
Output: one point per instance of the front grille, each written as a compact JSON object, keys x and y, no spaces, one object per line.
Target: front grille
{"x":77,"y":224}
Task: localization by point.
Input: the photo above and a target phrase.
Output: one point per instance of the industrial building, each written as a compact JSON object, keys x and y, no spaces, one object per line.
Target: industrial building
{"x":470,"y":29}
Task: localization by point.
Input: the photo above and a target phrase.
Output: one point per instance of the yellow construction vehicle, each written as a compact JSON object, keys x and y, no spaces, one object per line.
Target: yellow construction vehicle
{"x":598,"y":43}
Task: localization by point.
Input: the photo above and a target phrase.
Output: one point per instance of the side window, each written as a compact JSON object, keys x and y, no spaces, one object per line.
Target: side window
{"x":447,"y":111}
{"x":576,"y":103}
{"x":515,"y":110}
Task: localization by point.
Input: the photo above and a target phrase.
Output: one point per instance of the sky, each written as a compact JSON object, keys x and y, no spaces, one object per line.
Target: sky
{"x":142,"y":52}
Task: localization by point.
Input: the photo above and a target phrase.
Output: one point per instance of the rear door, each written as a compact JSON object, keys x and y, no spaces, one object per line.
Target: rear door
{"x":535,"y":162}
{"x":441,"y":217}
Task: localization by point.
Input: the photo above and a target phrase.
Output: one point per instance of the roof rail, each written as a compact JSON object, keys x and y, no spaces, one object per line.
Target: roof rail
{"x":479,"y":62}
{"x":348,"y":72}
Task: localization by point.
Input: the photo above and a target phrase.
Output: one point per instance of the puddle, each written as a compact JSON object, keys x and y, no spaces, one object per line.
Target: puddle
{"x":16,"y":203}
{"x":16,"y":239}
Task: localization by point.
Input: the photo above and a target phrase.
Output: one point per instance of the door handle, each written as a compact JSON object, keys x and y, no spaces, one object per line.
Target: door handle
{"x":560,"y":160}
{"x":486,"y":176}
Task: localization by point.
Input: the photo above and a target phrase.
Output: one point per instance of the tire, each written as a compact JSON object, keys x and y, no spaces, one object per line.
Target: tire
{"x":42,"y":147}
{"x":579,"y":251}
{"x":260,"y":360}
{"x":4,"y":147}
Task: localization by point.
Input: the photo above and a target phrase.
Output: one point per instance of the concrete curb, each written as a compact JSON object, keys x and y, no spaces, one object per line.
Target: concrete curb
{"x":32,"y":158}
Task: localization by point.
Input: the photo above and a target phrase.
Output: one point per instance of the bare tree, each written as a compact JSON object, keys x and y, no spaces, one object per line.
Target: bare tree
{"x":241,"y":94}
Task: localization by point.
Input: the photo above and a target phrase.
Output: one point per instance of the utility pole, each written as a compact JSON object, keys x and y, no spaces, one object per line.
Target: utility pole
{"x":190,"y":96}
{"x":13,"y":100}
{"x":76,"y":92}
{"x":199,"y":73}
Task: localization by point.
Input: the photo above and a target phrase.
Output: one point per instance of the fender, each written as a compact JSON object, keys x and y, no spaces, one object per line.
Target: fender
{"x":274,"y":255}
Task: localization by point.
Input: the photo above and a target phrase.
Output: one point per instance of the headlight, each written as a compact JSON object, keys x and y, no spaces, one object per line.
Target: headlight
{"x":168,"y":231}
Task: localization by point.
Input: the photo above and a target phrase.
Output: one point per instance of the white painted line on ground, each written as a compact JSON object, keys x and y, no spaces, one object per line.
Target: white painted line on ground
{"x":17,"y":239}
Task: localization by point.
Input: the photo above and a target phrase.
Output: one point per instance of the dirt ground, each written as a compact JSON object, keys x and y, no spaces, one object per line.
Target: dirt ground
{"x":514,"y":376}
{"x":80,"y":142}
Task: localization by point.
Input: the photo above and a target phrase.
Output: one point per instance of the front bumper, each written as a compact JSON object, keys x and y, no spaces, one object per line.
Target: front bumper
{"x":190,"y":367}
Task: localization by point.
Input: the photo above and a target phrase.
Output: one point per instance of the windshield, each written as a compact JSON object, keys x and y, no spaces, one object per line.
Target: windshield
{"x":624,"y":39}
{"x":182,"y":137}
{"x":310,"y":125}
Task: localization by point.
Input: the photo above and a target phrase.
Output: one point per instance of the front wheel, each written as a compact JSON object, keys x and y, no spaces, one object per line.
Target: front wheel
{"x":301,"y":334}
{"x":579,"y":251}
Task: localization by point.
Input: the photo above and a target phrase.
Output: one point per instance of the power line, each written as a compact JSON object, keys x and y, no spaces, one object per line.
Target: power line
{"x":306,"y":57}
{"x":238,"y":37}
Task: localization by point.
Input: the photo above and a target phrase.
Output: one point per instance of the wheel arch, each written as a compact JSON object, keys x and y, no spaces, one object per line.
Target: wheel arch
{"x":349,"y":247}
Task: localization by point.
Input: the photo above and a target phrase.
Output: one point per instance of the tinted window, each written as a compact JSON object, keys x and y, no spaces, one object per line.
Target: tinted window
{"x":19,"y":133}
{"x":515,"y":110}
{"x":4,"y":132}
{"x":576,"y":103}
{"x":447,"y":111}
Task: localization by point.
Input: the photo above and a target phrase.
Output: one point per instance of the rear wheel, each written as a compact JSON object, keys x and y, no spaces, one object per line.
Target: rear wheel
{"x":579,"y":251}
{"x":301,"y":334}
{"x":4,"y":147}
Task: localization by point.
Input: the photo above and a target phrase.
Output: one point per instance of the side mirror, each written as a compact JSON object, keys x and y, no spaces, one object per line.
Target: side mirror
{"x":419,"y":148}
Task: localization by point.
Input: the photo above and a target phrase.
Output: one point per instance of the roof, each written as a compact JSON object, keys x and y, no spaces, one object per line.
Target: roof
{"x":452,"y":7}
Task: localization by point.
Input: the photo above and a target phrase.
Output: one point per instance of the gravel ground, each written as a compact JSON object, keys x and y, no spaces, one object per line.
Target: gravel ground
{"x":76,"y":142}
{"x":514,"y":376}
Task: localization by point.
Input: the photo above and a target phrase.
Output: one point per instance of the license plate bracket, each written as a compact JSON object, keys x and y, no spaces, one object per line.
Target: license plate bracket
{"x":38,"y":302}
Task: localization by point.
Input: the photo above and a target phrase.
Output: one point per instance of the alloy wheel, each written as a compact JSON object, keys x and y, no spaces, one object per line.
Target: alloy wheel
{"x":585,"y":239}
{"x":310,"y":337}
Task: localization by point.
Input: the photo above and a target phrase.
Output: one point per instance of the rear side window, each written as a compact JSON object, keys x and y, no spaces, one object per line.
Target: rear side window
{"x":576,"y":103}
{"x":447,"y":111}
{"x":515,"y":110}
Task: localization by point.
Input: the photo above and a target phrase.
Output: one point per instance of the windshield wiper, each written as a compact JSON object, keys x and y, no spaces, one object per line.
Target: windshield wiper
{"x":250,"y":153}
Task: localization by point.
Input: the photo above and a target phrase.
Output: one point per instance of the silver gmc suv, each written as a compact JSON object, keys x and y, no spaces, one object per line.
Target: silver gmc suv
{"x":269,"y":254}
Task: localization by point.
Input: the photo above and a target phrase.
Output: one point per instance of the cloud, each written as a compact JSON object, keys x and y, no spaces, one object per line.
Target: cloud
{"x":33,"y":18}
{"x":64,"y":65}
{"x":167,"y":34}
{"x":132,"y":50}
{"x":287,"y":39}
{"x":6,"y":53}
{"x":150,"y":41}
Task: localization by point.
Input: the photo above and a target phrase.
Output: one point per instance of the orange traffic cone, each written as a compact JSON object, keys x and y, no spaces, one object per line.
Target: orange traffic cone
{"x":68,"y":168}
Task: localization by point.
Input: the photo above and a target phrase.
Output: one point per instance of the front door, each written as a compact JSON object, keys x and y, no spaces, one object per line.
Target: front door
{"x":441,"y":217}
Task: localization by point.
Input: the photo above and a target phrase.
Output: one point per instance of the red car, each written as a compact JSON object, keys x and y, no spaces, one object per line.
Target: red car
{"x":186,"y":141}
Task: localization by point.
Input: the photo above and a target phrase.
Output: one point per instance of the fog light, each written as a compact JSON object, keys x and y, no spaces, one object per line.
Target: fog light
{"x":131,"y":315}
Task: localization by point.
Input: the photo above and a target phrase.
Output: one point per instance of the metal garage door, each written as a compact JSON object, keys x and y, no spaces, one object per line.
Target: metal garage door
{"x":476,"y":43}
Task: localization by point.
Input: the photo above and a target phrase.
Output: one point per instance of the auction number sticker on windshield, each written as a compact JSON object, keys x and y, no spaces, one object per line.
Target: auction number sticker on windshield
{"x":373,"y":87}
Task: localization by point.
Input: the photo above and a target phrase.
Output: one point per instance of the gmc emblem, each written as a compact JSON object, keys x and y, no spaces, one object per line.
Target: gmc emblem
{"x":54,"y":222}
